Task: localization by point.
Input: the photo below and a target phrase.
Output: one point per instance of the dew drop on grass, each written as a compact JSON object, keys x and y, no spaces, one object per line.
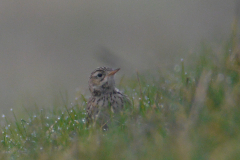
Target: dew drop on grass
{"x":71,"y":110}
{"x":34,"y":116}
{"x":140,"y":98}
{"x":6,"y":128}
{"x":9,"y":125}
{"x":59,"y":118}
{"x":34,"y":134}
{"x":11,"y":109}
{"x":3,"y":116}
{"x":83,"y":120}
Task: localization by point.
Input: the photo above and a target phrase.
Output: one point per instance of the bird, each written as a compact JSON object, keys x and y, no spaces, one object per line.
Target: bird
{"x":106,"y":100}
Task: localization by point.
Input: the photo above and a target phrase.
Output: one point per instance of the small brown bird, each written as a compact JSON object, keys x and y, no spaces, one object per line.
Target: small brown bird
{"x":105,"y":98}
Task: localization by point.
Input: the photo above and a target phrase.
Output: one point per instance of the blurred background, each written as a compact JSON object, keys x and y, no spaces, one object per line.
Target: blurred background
{"x":48,"y":46}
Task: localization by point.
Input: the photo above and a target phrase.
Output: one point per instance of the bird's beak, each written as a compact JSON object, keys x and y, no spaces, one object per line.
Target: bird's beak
{"x":113,"y":72}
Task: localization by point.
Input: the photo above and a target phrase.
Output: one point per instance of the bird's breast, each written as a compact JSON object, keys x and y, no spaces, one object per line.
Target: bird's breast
{"x":115,"y":101}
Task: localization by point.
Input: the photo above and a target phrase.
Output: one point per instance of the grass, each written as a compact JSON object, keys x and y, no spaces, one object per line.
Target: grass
{"x":191,"y":113}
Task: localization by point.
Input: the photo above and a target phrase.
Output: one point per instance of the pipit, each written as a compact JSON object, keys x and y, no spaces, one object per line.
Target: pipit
{"x":105,"y":98}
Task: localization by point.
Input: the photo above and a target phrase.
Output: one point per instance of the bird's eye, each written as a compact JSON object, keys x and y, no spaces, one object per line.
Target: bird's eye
{"x":99,"y":75}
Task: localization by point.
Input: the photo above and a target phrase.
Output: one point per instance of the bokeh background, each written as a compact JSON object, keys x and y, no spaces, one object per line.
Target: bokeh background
{"x":51,"y":46}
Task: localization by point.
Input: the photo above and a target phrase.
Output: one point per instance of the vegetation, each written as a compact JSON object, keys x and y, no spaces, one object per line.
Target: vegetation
{"x":191,"y":113}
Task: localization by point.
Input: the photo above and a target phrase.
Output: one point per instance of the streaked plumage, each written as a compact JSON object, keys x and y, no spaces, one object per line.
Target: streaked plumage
{"x":105,"y":98}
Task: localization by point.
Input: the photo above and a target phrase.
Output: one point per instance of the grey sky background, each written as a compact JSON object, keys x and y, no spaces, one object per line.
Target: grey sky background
{"x":47,"y":46}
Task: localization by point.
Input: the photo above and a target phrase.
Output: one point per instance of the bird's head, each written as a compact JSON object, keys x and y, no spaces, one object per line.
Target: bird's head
{"x":102,"y":80}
